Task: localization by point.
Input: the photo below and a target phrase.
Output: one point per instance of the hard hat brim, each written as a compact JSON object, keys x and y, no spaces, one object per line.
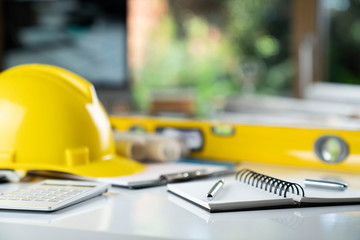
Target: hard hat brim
{"x":114,"y":167}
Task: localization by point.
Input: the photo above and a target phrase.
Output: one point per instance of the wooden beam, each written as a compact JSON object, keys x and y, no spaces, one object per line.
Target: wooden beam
{"x":307,"y":48}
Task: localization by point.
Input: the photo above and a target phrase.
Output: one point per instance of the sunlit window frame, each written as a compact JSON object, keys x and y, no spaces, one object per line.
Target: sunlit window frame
{"x":309,"y":29}
{"x":310,"y":47}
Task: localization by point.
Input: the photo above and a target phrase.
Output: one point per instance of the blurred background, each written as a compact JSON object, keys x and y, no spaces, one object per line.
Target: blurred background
{"x":283,"y":61}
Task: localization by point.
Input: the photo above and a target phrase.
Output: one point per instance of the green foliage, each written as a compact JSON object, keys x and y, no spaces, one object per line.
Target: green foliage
{"x":277,"y":78}
{"x":344,"y":42}
{"x":209,"y":61}
{"x":259,"y":29}
{"x":267,"y":46}
{"x":199,"y":63}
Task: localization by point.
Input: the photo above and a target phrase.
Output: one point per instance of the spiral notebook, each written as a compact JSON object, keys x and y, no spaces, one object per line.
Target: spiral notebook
{"x":251,"y":190}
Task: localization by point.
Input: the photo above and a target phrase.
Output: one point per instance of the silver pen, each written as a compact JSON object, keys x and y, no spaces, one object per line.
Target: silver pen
{"x":325,"y":184}
{"x":215,"y":189}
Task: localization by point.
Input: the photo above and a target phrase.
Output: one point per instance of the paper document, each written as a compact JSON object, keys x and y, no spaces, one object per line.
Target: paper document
{"x":157,"y":174}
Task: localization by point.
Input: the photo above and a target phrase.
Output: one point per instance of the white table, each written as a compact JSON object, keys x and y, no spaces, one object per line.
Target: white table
{"x":154,"y":213}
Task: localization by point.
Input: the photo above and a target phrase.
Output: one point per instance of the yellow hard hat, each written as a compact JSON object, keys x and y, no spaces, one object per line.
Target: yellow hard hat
{"x":51,"y":119}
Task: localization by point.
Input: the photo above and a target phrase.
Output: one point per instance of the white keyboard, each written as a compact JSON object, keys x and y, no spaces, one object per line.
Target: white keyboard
{"x":51,"y":195}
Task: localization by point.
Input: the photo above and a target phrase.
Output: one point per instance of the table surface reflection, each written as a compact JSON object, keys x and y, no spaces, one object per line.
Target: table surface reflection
{"x":153,"y":213}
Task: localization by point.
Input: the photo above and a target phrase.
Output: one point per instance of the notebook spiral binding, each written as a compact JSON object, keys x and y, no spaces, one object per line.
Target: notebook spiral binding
{"x":270,"y":184}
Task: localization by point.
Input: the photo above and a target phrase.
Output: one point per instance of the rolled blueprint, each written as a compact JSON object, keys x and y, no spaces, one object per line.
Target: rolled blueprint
{"x":162,"y":148}
{"x":150,"y":147}
{"x":131,"y":148}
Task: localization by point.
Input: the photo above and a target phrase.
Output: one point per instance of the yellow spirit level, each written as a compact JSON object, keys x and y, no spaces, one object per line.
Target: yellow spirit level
{"x":331,"y":149}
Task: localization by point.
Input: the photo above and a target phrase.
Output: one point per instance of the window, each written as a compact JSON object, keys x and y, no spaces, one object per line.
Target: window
{"x":208,"y":50}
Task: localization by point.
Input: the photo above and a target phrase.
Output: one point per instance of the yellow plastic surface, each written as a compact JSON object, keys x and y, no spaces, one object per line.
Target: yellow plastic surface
{"x":51,"y":119}
{"x":292,"y":146}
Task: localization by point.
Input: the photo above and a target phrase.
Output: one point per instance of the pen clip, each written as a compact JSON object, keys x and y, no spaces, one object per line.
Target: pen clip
{"x":183,"y":176}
